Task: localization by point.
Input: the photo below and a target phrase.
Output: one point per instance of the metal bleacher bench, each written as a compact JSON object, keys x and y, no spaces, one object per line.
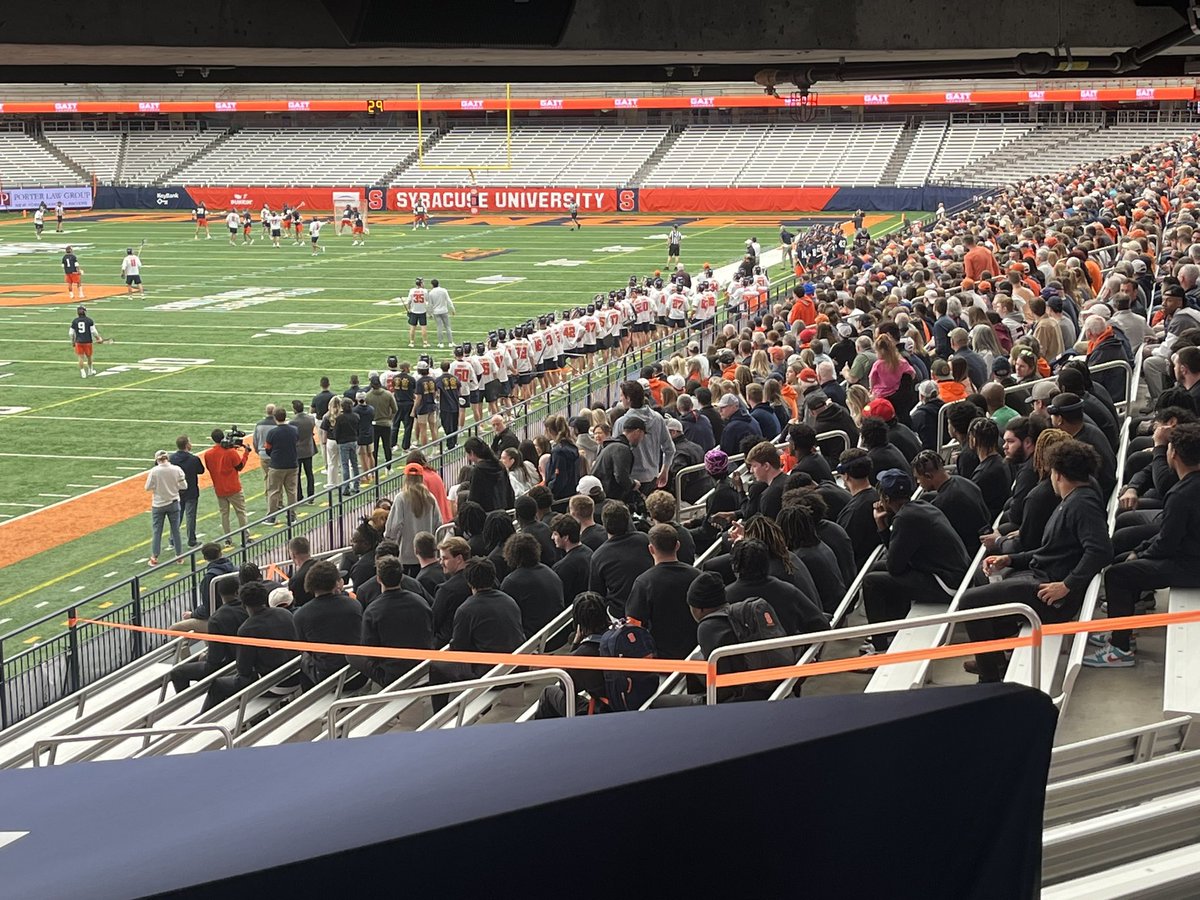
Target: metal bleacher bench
{"x":1181,"y":686}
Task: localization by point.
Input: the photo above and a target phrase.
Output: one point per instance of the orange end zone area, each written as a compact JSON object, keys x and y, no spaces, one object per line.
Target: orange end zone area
{"x":14,"y":295}
{"x":44,"y":529}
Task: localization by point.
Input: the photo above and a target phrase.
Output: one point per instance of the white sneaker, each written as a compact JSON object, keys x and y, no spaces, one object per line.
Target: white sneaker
{"x":83,"y":373}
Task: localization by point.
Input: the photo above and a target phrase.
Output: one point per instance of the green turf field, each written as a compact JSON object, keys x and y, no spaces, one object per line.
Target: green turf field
{"x":224,"y":330}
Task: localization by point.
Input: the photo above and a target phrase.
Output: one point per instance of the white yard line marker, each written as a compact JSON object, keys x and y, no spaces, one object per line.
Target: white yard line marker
{"x":40,"y":605}
{"x":109,"y":574}
{"x":108,"y":477}
{"x":55,"y":495}
{"x":26,"y":505}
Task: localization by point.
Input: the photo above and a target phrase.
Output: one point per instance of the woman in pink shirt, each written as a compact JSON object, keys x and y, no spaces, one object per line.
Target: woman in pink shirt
{"x":889,"y":368}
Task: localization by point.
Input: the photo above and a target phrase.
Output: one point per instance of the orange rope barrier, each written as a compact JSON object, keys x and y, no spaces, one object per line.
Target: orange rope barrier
{"x":690,"y":667}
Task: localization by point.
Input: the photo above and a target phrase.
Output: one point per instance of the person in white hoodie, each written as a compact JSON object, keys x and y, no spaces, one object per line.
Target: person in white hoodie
{"x":441,"y":307}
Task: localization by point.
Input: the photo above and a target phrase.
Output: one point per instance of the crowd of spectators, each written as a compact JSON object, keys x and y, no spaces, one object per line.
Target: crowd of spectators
{"x":962,"y":361}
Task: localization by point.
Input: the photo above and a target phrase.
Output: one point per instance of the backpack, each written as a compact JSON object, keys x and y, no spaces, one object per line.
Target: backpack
{"x":628,"y":690}
{"x":752,"y":620}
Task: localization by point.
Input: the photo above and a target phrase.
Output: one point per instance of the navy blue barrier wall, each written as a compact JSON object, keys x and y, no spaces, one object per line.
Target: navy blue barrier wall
{"x":169,"y":197}
{"x":890,"y":199}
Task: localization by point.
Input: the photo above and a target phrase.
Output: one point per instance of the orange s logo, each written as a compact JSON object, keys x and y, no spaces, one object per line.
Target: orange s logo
{"x":375,"y":199}
{"x":627,"y":200}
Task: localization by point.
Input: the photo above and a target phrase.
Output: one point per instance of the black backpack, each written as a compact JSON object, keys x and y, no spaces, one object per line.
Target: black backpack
{"x":754,"y":619}
{"x":628,"y":690}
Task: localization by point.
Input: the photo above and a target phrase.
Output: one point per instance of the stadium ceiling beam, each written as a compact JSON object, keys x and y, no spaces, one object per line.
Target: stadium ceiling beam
{"x":578,"y":40}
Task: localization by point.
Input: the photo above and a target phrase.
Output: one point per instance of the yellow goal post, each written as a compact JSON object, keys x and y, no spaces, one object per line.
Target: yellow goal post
{"x":470,"y":167}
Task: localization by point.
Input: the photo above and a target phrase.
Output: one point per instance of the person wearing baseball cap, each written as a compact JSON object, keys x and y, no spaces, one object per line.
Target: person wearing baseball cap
{"x":1066,"y":412}
{"x":900,"y":435}
{"x":926,"y":559}
{"x":165,"y":483}
{"x":738,"y":424}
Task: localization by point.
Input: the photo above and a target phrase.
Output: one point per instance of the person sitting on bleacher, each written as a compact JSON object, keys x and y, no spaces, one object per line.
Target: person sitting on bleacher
{"x":533,"y":584}
{"x":959,"y":499}
{"x":197,"y":619}
{"x":330,"y":617}
{"x":991,"y":475}
{"x":1052,"y":579}
{"x":370,"y":589}
{"x":489,"y":621}
{"x":710,"y":609}
{"x":1066,"y":412}
{"x":656,"y":599}
{"x":1039,"y":504}
{"x":226,"y":620}
{"x":396,"y":618}
{"x":925,"y":560}
{"x":1168,"y":559}
{"x":574,"y":568}
{"x":856,"y":519}
{"x":591,"y":621}
{"x":620,"y":559}
{"x":266,"y":622}
{"x":798,"y":612}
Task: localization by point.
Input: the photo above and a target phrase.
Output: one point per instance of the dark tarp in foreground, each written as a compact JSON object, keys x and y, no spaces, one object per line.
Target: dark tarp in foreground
{"x":933,"y":793}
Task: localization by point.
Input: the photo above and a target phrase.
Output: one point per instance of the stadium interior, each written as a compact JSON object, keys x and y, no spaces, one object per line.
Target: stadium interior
{"x":964,"y":139}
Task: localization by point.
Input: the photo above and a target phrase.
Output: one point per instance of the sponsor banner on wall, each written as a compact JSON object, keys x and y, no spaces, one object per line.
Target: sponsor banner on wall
{"x":760,"y":100}
{"x":315,"y":199}
{"x":29,"y":198}
{"x":522,"y":200}
{"x":733,"y":200}
{"x":168,"y":197}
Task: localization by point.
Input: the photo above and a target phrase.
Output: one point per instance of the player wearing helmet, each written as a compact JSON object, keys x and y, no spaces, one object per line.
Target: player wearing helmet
{"x":417,"y":313}
{"x":468,"y":379}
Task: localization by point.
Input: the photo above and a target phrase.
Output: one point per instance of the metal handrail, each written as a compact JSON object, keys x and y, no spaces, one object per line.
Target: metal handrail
{"x":456,"y":687}
{"x":822,"y":637}
{"x":53,"y":742}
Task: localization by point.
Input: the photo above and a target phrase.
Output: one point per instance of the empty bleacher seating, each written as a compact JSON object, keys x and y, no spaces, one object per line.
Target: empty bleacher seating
{"x":151,"y":154}
{"x":922,"y":153}
{"x":26,"y":163}
{"x":541,"y":155}
{"x":98,"y":152}
{"x":302,"y":156}
{"x":966,"y":142}
{"x":1056,"y":148}
{"x":791,"y":154}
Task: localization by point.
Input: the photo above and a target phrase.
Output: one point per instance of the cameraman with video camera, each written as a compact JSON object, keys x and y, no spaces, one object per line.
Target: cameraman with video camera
{"x":224,"y":460}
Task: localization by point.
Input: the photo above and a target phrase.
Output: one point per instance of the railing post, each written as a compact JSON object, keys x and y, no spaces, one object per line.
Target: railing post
{"x":136,"y":616}
{"x":73,"y":680}
{"x":3,"y":688}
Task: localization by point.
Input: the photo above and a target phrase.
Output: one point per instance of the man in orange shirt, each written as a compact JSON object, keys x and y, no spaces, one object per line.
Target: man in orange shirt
{"x":224,"y":460}
{"x":978,"y":260}
{"x":803,"y":309}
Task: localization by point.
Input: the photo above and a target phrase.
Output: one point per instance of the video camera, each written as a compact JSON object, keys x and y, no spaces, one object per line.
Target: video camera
{"x":233,"y":437}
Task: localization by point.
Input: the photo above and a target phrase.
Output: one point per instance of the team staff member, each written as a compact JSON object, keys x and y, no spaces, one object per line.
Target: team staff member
{"x":383,"y":405}
{"x":83,"y":336}
{"x":165,"y":482}
{"x":224,"y":464}
{"x":72,"y":272}
{"x":189,"y":497}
